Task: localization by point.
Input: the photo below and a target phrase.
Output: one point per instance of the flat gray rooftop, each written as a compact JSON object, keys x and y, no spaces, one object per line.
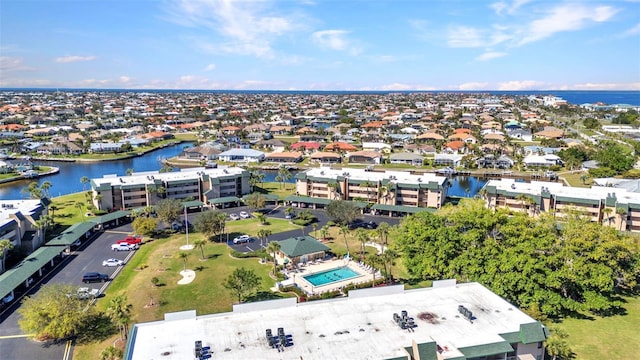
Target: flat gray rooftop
{"x":358,"y":327}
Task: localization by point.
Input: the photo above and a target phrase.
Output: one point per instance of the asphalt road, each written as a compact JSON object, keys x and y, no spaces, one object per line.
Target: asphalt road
{"x":89,"y":257}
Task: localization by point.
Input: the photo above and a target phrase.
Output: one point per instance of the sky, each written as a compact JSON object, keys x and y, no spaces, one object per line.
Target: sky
{"x":381,"y":45}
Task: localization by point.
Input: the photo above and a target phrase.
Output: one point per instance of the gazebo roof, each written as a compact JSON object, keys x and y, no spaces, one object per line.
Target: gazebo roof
{"x":301,"y":245}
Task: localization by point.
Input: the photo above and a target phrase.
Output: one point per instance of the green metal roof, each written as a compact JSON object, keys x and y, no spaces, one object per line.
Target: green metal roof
{"x":400,"y":208}
{"x":192,"y":203}
{"x":577,"y":200}
{"x":301,"y":245}
{"x":110,"y":216}
{"x":13,"y":277}
{"x":72,"y":233}
{"x":269,"y":197}
{"x":182,"y":181}
{"x":486,"y":349}
{"x":224,"y":200}
{"x":307,"y":199}
{"x":532,"y":333}
{"x":512,"y":337}
{"x":426,"y":351}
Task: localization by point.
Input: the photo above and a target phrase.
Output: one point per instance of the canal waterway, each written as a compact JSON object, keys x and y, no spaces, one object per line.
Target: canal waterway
{"x":67,"y":181}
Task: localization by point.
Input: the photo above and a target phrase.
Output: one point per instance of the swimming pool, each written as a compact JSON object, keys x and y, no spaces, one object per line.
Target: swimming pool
{"x":331,"y":276}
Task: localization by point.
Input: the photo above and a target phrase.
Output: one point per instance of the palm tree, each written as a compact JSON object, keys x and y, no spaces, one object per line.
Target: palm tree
{"x":183,"y":255}
{"x":334,"y":189}
{"x":383,"y":233}
{"x":99,"y":199}
{"x":285,"y":175}
{"x":200,"y":243}
{"x":363,"y":236}
{"x":120,"y":312}
{"x":5,"y":246}
{"x":263,"y":234}
{"x":366,"y":184}
{"x":622,"y":214}
{"x":607,"y":212}
{"x":262,"y":218}
{"x":53,"y":209}
{"x":315,"y":227}
{"x":129,"y":171}
{"x":79,"y":206}
{"x":272,"y":248}
{"x":45,"y":186}
{"x":388,"y":258}
{"x":344,"y":230}
{"x":84,"y":180}
{"x":324,"y":232}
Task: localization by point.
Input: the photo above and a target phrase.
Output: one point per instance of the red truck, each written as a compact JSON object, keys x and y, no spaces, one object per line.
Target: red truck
{"x":131,"y":240}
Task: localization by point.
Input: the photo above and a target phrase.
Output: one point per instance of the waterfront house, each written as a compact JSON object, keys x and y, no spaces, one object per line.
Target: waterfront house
{"x":411,"y":159}
{"x":284,"y":157}
{"x":242,"y":155}
{"x":365,"y":157}
{"x":325,"y":157}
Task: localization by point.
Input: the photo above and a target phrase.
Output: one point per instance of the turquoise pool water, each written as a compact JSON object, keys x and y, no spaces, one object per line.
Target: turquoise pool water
{"x":331,"y":276}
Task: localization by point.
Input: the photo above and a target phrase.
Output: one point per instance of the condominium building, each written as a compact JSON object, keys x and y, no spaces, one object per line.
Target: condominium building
{"x":387,"y":190}
{"x":446,"y":321}
{"x":613,"y":207}
{"x":19,"y":223}
{"x":147,"y":188}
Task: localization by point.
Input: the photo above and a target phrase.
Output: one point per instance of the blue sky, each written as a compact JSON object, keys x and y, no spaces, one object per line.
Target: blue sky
{"x":321,"y":44}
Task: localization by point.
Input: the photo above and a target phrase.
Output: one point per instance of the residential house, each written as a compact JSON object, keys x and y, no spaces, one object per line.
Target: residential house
{"x":284,"y":157}
{"x":242,"y":155}
{"x":406,"y":158}
{"x":325,"y":157}
{"x":365,"y":157}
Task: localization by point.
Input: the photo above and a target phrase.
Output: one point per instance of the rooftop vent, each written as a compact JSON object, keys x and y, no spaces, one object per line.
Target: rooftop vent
{"x":466,"y":313}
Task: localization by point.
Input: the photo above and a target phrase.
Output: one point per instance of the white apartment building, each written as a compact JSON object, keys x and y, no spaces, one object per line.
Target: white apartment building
{"x":113,"y":192}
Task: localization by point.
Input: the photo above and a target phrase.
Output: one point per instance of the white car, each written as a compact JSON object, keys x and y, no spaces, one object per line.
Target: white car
{"x":244,"y":215}
{"x":113,"y":262}
{"x":123,"y":247}
{"x":84,"y":293}
{"x":242,"y":239}
{"x":234,"y":216}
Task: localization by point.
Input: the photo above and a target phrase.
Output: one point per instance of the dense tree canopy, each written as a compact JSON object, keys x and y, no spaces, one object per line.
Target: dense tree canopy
{"x":169,"y":210}
{"x":615,"y":156}
{"x":211,"y":223}
{"x":526,"y":260}
{"x":241,"y":283}
{"x":50,"y":314}
{"x":343,"y":212}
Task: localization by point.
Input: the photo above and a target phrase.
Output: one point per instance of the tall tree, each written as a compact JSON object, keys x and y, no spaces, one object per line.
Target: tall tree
{"x":363,"y":236}
{"x":210,"y":223}
{"x":200,"y":243}
{"x":242,"y":282}
{"x":256,"y":201}
{"x":119,"y":310}
{"x":342,"y":211}
{"x":622,"y":217}
{"x":344,"y":231}
{"x":183,"y":255}
{"x":169,"y":210}
{"x":45,"y":186}
{"x":50,"y":314}
{"x":272,"y":248}
{"x":84,"y":180}
{"x":5,"y":246}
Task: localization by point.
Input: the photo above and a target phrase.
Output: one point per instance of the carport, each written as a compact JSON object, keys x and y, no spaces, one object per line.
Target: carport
{"x":222,"y":202}
{"x":311,"y":202}
{"x":390,"y":210}
{"x":22,"y":273}
{"x":110,"y":219}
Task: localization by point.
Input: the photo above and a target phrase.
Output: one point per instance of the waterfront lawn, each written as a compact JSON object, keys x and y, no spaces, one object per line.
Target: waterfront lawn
{"x":9,"y":175}
{"x":613,"y":337}
{"x":252,"y":226}
{"x":276,"y":188}
{"x":205,"y":294}
{"x":67,"y":212}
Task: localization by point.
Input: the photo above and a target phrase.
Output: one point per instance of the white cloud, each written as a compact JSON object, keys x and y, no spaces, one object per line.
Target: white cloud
{"x":12,"y":64}
{"x":520,"y":85}
{"x":632,"y":31}
{"x":465,"y":37}
{"x":473,"y":86}
{"x":606,"y":86}
{"x":489,"y":55}
{"x":73,"y":58}
{"x":23,"y":83}
{"x":396,"y":87}
{"x":210,"y":67}
{"x":568,"y":17}
{"x":247,"y":27}
{"x":333,"y":39}
{"x":501,"y":6}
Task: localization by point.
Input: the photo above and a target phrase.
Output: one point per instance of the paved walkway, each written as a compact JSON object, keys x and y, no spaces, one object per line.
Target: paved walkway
{"x":187,"y":277}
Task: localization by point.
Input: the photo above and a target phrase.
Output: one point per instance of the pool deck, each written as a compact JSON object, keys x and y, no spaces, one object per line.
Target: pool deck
{"x":297,"y":277}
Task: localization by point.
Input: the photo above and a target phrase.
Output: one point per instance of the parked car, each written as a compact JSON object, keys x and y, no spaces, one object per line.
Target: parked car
{"x":94,"y":277}
{"x":234,"y":216}
{"x":131,"y":240}
{"x":358,"y":223}
{"x":76,"y":243}
{"x":84,"y":293}
{"x":242,"y":239}
{"x":7,"y":299}
{"x":244,"y":215}
{"x":123,"y":247}
{"x":112,"y":262}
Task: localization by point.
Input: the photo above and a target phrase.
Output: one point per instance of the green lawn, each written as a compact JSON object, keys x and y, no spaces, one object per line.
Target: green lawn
{"x":68,"y":214}
{"x":276,"y":188}
{"x":205,"y":294}
{"x":615,"y":337}
{"x":574,"y":179}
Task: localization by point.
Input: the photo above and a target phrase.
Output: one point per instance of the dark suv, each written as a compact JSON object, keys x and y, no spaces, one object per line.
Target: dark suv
{"x":94,"y":277}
